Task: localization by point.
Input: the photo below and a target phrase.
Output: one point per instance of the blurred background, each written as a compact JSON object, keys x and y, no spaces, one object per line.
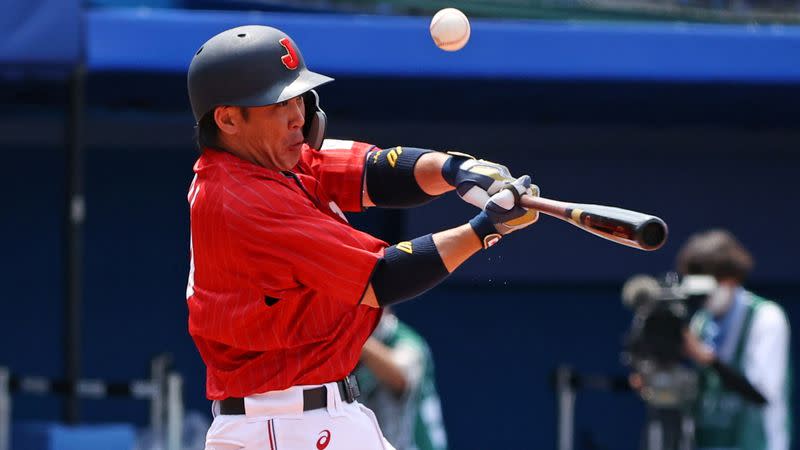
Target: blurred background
{"x":686,"y":109}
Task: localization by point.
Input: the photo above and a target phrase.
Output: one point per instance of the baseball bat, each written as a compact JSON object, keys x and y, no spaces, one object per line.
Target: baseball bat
{"x":622,"y":226}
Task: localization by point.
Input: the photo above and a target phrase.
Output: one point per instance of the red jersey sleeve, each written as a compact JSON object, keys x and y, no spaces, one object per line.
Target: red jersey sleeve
{"x":339,"y":167}
{"x":294,"y":250}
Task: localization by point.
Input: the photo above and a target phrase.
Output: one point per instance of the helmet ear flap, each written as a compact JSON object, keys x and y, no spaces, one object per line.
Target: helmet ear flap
{"x":316,"y":120}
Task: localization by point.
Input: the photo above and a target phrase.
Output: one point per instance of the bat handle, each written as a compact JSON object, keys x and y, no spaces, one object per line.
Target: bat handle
{"x":548,"y":206}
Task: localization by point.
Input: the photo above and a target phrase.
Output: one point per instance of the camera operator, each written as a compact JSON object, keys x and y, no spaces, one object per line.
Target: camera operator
{"x":740,"y":343}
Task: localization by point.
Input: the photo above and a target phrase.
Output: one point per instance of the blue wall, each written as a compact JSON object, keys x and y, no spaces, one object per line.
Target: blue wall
{"x":163,"y":40}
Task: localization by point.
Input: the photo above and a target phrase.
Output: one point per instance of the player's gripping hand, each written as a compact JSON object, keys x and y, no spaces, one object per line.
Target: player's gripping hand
{"x":476,"y":180}
{"x":502,"y":213}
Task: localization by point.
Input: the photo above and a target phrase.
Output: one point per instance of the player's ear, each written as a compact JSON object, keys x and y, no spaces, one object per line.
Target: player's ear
{"x":227,"y":119}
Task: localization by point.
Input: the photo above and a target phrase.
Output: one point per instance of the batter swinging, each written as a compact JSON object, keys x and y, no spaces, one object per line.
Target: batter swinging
{"x":282,"y":291}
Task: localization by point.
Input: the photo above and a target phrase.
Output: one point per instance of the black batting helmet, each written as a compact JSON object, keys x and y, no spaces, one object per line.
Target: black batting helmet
{"x":255,"y":65}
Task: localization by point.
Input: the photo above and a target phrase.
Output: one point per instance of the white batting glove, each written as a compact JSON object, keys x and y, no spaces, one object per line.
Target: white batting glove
{"x":476,"y":180}
{"x":502,"y":213}
{"x":505,"y":211}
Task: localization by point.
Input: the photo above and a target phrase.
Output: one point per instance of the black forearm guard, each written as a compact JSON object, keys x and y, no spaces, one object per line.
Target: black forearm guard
{"x":390,"y":178}
{"x":407,"y":270}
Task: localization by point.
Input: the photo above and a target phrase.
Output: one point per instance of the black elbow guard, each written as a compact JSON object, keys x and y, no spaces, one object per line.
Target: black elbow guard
{"x":390,"y":178}
{"x":407,"y":270}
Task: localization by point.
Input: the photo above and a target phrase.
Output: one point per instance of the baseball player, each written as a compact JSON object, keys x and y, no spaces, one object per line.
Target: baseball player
{"x":282,"y":291}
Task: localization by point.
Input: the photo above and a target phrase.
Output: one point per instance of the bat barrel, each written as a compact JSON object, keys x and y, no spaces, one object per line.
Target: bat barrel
{"x":623,"y":226}
{"x":620,"y":225}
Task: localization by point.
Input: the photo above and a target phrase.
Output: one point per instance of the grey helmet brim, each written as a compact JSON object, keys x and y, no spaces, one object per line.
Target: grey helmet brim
{"x":305,"y":81}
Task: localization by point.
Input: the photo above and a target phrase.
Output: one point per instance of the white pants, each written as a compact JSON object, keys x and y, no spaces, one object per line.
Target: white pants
{"x":276,"y":421}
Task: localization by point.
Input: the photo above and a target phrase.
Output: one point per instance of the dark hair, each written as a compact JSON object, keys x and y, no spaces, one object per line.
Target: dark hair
{"x":716,"y":253}
{"x":207,"y":132}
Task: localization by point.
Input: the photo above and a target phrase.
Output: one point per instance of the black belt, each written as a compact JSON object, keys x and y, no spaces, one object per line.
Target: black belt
{"x":314,"y":398}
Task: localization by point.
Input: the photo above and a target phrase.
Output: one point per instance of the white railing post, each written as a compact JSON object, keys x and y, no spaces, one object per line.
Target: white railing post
{"x":174,"y":411}
{"x":158,"y":378}
{"x":566,"y":408}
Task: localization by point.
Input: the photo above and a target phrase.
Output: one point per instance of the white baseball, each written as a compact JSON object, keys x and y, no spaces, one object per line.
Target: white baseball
{"x":450,"y":29}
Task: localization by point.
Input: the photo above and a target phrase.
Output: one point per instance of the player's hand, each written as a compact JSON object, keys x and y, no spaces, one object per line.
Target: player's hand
{"x":476,"y":180}
{"x":470,"y":175}
{"x":502,"y":213}
{"x":504,"y":210}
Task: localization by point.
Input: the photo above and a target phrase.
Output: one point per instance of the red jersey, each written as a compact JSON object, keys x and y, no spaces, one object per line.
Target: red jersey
{"x":277,"y":273}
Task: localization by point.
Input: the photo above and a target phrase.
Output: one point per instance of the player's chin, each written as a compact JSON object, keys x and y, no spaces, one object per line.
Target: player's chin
{"x":290,"y":159}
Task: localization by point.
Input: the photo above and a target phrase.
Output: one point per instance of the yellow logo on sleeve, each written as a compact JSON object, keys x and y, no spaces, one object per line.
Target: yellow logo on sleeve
{"x":406,"y":247}
{"x":393,"y":155}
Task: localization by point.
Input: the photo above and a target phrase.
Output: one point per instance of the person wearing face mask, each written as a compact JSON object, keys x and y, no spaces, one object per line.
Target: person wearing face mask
{"x":740,"y":343}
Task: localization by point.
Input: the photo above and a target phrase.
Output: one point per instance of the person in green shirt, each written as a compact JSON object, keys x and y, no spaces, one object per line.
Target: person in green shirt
{"x":746,"y":333}
{"x":396,"y":379}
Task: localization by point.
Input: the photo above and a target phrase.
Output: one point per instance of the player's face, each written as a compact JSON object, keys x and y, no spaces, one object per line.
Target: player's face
{"x":274,"y":133}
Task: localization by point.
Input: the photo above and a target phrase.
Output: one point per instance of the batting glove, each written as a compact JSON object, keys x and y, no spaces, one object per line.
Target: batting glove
{"x":476,"y":180}
{"x":502,"y":213}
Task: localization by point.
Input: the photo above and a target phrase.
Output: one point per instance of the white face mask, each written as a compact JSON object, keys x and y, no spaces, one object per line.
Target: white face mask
{"x":720,"y":300}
